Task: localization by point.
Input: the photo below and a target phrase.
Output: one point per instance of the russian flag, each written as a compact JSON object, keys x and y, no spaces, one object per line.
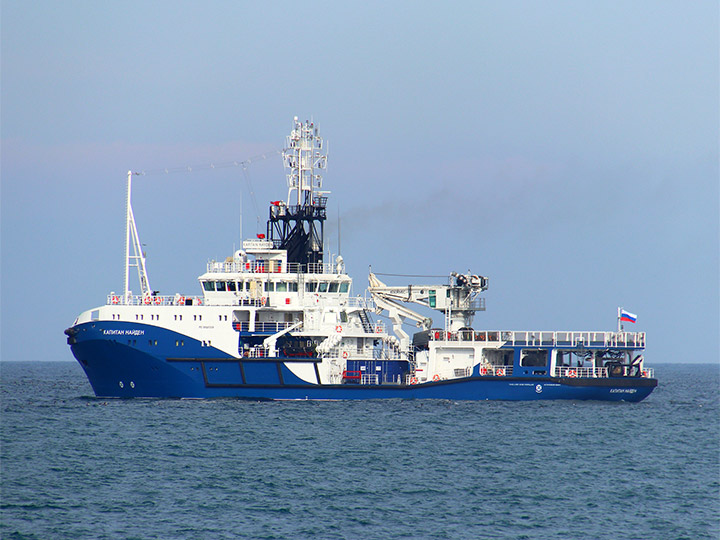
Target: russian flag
{"x":627,"y":316}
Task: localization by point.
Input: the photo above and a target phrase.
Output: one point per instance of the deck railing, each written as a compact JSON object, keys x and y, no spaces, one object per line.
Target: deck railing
{"x":366,"y":355}
{"x":269,"y":266}
{"x":178,"y":300}
{"x":489,"y":370}
{"x":602,"y":372}
{"x":255,"y":352}
{"x":540,"y":338}
{"x":360,"y":302}
{"x":154,"y":300}
{"x":269,"y":326}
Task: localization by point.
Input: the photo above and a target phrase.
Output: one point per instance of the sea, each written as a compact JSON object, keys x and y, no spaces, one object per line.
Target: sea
{"x":77,"y":467}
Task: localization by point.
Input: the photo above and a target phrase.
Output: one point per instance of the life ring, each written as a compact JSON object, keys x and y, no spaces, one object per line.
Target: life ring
{"x":115,"y":300}
{"x":345,"y":355}
{"x":263,"y":300}
{"x":147,"y":300}
{"x":501,"y":372}
{"x":437,"y":335}
{"x":198,"y":301}
{"x":338,"y":328}
{"x":158,"y":300}
{"x":378,"y":329}
{"x":644,"y":372}
{"x":483,"y":371}
{"x":181,"y":301}
{"x":413,"y":380}
{"x":572,"y":373}
{"x":436,"y":377}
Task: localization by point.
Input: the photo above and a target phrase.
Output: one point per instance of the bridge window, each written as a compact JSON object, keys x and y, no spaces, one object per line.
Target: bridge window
{"x":334,"y":286}
{"x":311,"y":286}
{"x":344,"y":286}
{"x":209,"y":285}
{"x":231,"y":286}
{"x":220,"y":286}
{"x":281,"y":286}
{"x":322,"y":287}
{"x":293,"y":286}
{"x":269,"y":286}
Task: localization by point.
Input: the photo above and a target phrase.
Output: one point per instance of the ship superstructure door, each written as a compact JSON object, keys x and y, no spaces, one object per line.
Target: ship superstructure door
{"x":534,"y":362}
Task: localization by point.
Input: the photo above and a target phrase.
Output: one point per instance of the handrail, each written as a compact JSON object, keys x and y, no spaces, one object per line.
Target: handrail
{"x":268,"y":326}
{"x":541,"y":338}
{"x":491,"y":370}
{"x":360,"y":302}
{"x":269,"y":266}
{"x":603,"y":372}
{"x":154,"y":300}
{"x":255,"y":352}
{"x":179,"y":300}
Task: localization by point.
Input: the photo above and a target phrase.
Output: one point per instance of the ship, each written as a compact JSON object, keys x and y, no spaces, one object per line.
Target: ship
{"x":279,"y":320}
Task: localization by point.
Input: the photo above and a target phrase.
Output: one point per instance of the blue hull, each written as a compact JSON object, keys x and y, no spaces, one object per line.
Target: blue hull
{"x":123,"y":368}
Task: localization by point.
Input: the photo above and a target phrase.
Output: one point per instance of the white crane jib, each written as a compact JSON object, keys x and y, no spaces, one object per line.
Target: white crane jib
{"x":458,"y":301}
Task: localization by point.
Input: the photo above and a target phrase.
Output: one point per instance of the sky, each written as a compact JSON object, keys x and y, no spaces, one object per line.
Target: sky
{"x":566,"y":150}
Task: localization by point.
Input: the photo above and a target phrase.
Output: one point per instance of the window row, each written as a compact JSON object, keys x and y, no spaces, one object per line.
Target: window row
{"x":140,"y":317}
{"x":277,"y":286}
{"x":239,"y":286}
{"x":324,"y":286}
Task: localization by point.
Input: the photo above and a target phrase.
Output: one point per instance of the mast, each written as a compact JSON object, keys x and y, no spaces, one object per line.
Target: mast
{"x":134,"y":255}
{"x":297,"y":225}
{"x":128,"y":213}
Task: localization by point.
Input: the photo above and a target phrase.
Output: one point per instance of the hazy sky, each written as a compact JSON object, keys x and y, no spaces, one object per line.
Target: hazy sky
{"x":567,"y":150}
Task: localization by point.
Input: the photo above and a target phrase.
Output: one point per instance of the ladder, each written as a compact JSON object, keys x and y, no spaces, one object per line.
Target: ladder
{"x":365,"y":319}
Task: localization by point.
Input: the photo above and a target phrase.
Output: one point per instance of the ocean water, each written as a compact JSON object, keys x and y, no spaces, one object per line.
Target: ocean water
{"x":76,"y":467}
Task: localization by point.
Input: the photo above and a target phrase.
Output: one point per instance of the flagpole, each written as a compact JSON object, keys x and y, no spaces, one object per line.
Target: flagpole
{"x":619,"y":320}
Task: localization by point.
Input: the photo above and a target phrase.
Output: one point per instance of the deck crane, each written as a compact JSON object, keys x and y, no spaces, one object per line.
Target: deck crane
{"x":458,"y":301}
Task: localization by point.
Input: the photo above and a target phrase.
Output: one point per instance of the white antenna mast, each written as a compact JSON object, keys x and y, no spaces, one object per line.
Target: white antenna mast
{"x":134,"y":255}
{"x":304,"y":158}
